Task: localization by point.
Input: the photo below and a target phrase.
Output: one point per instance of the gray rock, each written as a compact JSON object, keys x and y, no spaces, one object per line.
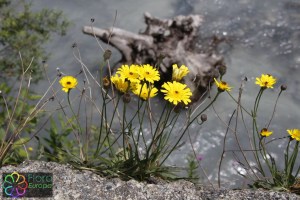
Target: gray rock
{"x":69,"y":183}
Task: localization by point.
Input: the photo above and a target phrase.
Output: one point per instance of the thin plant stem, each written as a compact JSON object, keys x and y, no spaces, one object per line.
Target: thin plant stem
{"x":187,"y":126}
{"x":223,"y":151}
{"x":156,"y":130}
{"x":236,"y":101}
{"x":235,"y":130}
{"x":79,"y":127}
{"x":292,"y":161}
{"x":204,"y":172}
{"x":273,"y":113}
{"x":255,"y":129}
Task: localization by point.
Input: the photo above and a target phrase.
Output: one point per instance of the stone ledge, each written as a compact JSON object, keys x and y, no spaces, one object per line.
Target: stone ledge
{"x":74,"y":184}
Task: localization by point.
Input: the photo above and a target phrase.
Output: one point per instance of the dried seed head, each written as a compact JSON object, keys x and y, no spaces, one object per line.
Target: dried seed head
{"x":74,"y":45}
{"x":126,"y":98}
{"x":106,"y":83}
{"x":203,"y":117}
{"x":107,"y":54}
{"x":283,"y":87}
{"x":222,"y":69}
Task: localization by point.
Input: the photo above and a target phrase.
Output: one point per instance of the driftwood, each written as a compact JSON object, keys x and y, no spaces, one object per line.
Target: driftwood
{"x":166,"y":42}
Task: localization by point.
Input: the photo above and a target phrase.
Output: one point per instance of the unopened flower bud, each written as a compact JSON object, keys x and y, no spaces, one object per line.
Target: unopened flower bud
{"x":107,"y":54}
{"x":222,"y":69}
{"x":126,"y":98}
{"x":203,"y":117}
{"x":106,"y":83}
{"x":283,"y":87}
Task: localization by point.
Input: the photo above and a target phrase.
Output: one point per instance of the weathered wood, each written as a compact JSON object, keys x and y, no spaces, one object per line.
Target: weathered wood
{"x":171,"y":39}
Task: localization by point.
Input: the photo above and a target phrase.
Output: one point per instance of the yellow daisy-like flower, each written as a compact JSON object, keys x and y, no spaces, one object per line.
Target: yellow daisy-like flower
{"x":68,"y":83}
{"x":120,"y":83}
{"x":222,"y":86}
{"x":144,"y":92}
{"x":179,"y":73}
{"x":265,"y":132}
{"x":265,"y":81}
{"x":130,"y":73}
{"x":294,"y":133}
{"x":176,"y":92}
{"x":149,"y":73}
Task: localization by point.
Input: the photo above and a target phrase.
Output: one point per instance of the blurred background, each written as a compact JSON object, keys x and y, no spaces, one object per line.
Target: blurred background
{"x":264,"y":38}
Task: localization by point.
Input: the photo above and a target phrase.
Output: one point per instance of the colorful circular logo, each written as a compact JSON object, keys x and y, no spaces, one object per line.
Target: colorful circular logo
{"x":15,"y":185}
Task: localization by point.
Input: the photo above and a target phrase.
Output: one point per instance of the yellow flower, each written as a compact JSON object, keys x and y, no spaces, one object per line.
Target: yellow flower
{"x":68,"y":83}
{"x":149,"y":73}
{"x":294,"y":133}
{"x":179,"y":73}
{"x":265,"y":81}
{"x":144,"y":92}
{"x":120,"y":83}
{"x":30,"y":149}
{"x":265,"y":132}
{"x":130,"y":73}
{"x":222,"y":86}
{"x":176,"y":92}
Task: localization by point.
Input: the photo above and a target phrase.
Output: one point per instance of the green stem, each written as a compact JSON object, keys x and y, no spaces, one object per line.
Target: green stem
{"x":274,"y":109}
{"x":255,"y":129}
{"x":286,"y":157}
{"x":101,"y":127}
{"x":292,"y":161}
{"x":107,"y":132}
{"x":156,"y":130}
{"x":187,"y":126}
{"x":79,"y":127}
{"x":264,"y":155}
{"x":123,"y":130}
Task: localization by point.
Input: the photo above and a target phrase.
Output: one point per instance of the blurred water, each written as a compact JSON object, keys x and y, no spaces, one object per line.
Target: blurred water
{"x":264,"y":38}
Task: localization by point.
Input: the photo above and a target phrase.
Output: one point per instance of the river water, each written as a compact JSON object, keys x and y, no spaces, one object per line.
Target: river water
{"x":264,"y":38}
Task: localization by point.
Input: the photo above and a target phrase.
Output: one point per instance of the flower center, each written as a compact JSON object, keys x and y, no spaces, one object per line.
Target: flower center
{"x":176,"y":92}
{"x":266,"y":83}
{"x":147,"y":73}
{"x":130,"y":73}
{"x":68,"y":83}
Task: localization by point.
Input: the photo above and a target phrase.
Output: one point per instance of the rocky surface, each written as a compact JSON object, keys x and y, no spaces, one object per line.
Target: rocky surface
{"x":74,"y":184}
